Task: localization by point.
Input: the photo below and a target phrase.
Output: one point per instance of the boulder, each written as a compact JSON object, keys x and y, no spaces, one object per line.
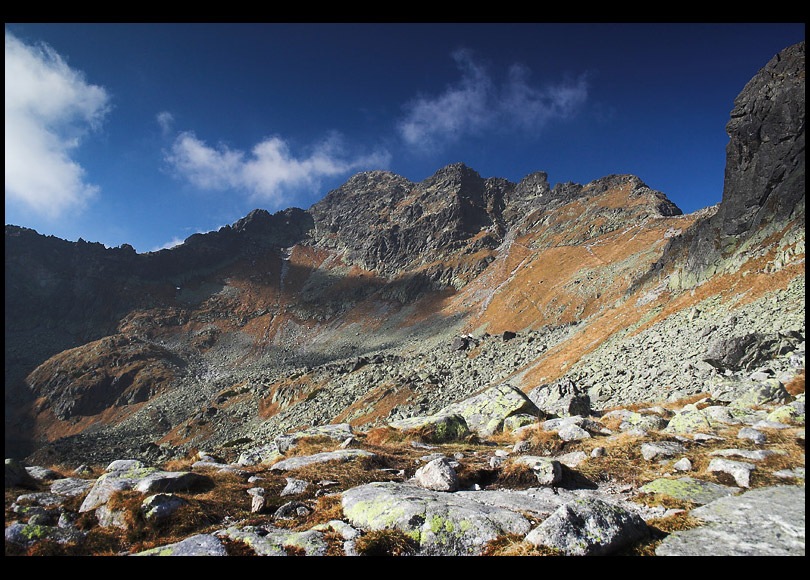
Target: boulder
{"x":437,"y":475}
{"x":27,"y":534}
{"x":16,"y":475}
{"x":589,"y":527}
{"x":562,"y":398}
{"x":548,"y":471}
{"x":198,"y":545}
{"x":485,"y":413}
{"x":444,"y":524}
{"x":161,"y":506}
{"x":271,"y":541}
{"x":767,"y":521}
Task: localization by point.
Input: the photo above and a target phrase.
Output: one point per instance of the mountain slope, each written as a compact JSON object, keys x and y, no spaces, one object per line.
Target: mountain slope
{"x":390,"y":299}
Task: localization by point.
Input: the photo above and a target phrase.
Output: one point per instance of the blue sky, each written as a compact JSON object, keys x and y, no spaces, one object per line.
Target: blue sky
{"x":148,"y":133}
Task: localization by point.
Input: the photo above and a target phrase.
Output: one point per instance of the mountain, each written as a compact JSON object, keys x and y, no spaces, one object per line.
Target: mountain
{"x":390,"y":299}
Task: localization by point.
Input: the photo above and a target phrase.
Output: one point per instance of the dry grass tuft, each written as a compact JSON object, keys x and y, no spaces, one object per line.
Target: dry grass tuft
{"x":515,"y":545}
{"x":516,"y":476}
{"x":327,"y":508}
{"x":386,"y":543}
{"x":544,"y":442}
{"x":181,"y":464}
{"x":385,"y":436}
{"x":622,"y":462}
{"x":295,"y":551}
{"x":657,"y":499}
{"x":312,"y":445}
{"x":236,"y":547}
{"x":796,"y":385}
{"x":334,"y":544}
{"x":348,"y":473}
{"x":675,"y":523}
{"x":659,"y":529}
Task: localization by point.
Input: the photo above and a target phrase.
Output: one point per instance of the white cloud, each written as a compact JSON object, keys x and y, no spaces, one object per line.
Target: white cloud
{"x":49,"y":108}
{"x":270,"y":172}
{"x":476,"y":104}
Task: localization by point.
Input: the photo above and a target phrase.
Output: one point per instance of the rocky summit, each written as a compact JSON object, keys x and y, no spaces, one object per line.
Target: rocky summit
{"x":461,"y":366}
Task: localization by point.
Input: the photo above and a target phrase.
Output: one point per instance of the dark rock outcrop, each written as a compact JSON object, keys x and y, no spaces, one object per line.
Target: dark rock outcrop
{"x":764,"y":187}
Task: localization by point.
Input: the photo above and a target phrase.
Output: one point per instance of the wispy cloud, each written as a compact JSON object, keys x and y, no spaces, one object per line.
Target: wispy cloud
{"x":270,"y":172}
{"x":49,"y":109}
{"x":166,"y":122}
{"x":477,"y":104}
{"x":460,"y":110}
{"x":173,"y":243}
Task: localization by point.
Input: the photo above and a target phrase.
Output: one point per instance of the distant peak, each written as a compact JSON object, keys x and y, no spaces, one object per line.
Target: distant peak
{"x":457,"y":169}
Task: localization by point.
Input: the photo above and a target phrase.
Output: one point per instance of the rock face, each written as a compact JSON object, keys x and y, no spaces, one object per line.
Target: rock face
{"x":764,"y":187}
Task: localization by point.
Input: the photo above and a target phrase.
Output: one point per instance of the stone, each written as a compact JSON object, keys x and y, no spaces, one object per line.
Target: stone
{"x":766,"y":521}
{"x":197,"y":545}
{"x":42,"y":473}
{"x":171,"y":481}
{"x":795,"y":473}
{"x":770,"y":392}
{"x":548,"y":471}
{"x":572,"y":459}
{"x":589,"y":527}
{"x":257,"y":504}
{"x":562,"y":398}
{"x":521,"y":447}
{"x":787,"y":414}
{"x":572,"y":432}
{"x":16,"y":475}
{"x":739,"y":470}
{"x":71,"y":486}
{"x":689,"y":419}
{"x":437,"y":475}
{"x":122,"y":476}
{"x":291,"y":510}
{"x":265,"y":454}
{"x":27,"y":534}
{"x":519,"y":420}
{"x":271,"y":541}
{"x":160,"y":507}
{"x":112,"y":518}
{"x":744,"y":352}
{"x":752,"y":434}
{"x":650,"y":451}
{"x":294,"y":486}
{"x":682,"y":464}
{"x":645,"y":422}
{"x":756,"y":455}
